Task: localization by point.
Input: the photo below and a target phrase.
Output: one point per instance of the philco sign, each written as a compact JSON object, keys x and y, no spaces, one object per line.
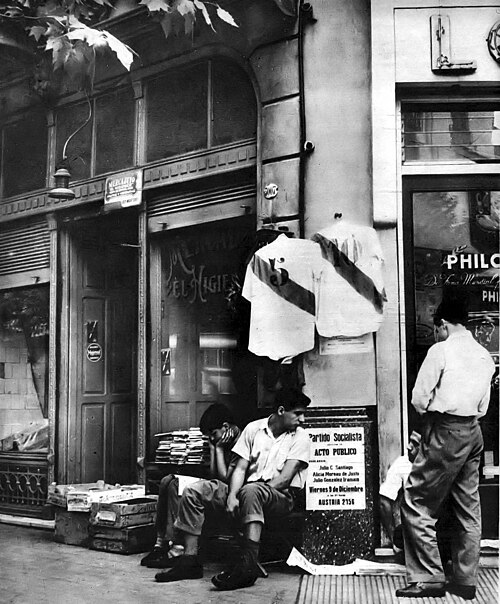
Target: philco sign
{"x":472,"y":261}
{"x":123,"y":190}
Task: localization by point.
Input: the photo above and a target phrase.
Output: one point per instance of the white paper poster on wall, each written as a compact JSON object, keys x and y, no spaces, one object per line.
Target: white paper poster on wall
{"x":336,"y":474}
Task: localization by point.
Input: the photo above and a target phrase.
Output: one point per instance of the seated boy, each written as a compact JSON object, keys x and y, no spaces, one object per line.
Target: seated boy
{"x":218,"y":424}
{"x":273,"y":455}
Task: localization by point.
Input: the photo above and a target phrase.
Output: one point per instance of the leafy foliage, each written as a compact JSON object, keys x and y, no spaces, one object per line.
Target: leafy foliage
{"x":69,"y":30}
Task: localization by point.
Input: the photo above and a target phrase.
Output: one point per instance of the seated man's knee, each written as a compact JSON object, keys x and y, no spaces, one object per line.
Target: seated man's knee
{"x":166,"y":482}
{"x":252,"y":491}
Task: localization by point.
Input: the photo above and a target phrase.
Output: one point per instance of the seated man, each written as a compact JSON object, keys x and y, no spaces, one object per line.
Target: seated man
{"x":218,"y":424}
{"x":273,"y":457}
{"x":391,"y":492}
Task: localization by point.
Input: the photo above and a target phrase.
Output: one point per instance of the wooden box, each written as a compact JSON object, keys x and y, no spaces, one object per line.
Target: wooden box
{"x":128,"y":540}
{"x":134,"y":512}
{"x":72,"y":528}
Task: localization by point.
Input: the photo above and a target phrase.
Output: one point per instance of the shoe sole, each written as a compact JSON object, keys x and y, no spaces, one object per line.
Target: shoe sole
{"x":429,"y":593}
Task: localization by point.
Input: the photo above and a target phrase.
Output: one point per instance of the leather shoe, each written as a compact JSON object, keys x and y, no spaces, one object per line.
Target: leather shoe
{"x":467,"y":592}
{"x":422,"y":590}
{"x":187,"y":567}
{"x":153,"y":556}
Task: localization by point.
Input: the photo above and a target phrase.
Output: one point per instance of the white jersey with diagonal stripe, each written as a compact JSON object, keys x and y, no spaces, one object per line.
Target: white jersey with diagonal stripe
{"x":281,"y":283}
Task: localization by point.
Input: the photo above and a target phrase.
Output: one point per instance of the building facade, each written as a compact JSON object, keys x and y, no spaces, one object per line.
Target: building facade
{"x":121,"y":321}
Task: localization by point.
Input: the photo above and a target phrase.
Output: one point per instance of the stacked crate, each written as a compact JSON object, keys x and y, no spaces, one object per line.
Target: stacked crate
{"x":125,"y":527}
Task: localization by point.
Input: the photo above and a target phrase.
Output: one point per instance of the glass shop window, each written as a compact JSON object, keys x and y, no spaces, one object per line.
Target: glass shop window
{"x":432,"y":134}
{"x":456,"y":250}
{"x":114,"y":131}
{"x":105,"y":141}
{"x":199,"y":107}
{"x":202,"y":354}
{"x":177,"y":113}
{"x":25,"y":154}
{"x":24,"y":347}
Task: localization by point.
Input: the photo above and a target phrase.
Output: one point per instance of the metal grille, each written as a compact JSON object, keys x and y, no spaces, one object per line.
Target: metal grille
{"x":24,"y":248}
{"x":23,"y":481}
{"x":349,"y":589}
{"x":197,"y":199}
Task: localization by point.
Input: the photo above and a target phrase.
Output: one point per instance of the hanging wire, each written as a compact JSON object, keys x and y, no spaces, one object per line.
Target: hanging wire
{"x":64,"y":156}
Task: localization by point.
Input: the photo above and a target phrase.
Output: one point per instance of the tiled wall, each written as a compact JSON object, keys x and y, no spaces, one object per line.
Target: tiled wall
{"x":19,"y":404}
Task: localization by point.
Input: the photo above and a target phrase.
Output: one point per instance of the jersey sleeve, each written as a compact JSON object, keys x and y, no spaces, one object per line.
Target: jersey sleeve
{"x":247,"y":291}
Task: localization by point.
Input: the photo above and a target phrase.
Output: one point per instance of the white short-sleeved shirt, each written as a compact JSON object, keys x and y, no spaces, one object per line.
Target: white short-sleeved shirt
{"x":396,"y":477}
{"x":455,"y":377}
{"x":351,"y":293}
{"x":281,"y":283}
{"x":267,"y":455}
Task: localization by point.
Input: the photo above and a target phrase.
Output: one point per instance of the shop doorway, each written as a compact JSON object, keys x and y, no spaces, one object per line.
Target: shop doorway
{"x":103,"y":341}
{"x":451,"y":248}
{"x":199,"y":343}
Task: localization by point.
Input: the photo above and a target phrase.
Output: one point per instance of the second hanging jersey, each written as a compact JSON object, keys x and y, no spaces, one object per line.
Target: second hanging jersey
{"x":281,"y":284}
{"x":352,"y":293}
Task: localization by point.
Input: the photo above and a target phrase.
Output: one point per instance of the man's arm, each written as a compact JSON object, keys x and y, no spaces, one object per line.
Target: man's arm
{"x":427,"y":379}
{"x":287,"y":474}
{"x":235,"y":484}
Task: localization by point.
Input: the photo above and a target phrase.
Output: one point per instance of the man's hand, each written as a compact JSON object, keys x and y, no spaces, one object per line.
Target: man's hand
{"x":232,"y":506}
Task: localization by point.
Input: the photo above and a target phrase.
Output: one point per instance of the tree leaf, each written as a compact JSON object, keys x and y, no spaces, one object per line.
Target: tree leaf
{"x":185,"y":7}
{"x":189,"y":20}
{"x":201,"y":6}
{"x":166,"y":23}
{"x":225,"y":16}
{"x":156,"y":5}
{"x":123,"y":52}
{"x":61,"y":47}
{"x":37,"y":31}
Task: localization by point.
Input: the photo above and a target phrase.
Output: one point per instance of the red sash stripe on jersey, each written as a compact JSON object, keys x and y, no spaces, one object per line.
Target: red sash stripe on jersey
{"x":350,"y":272}
{"x":289,"y":290}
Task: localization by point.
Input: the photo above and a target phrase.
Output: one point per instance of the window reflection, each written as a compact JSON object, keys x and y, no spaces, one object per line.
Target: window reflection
{"x":24,"y":343}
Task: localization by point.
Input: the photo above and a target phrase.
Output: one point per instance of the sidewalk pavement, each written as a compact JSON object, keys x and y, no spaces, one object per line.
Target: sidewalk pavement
{"x":36,"y":570}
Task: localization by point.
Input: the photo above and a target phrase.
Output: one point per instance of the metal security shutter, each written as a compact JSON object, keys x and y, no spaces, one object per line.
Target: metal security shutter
{"x":24,"y":253}
{"x":186,"y":208}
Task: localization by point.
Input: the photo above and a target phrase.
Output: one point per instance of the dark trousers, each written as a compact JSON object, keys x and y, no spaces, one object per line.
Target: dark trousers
{"x":447,"y":465}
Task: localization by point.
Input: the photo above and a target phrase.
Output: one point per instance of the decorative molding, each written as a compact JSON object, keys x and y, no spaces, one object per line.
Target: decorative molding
{"x":179,"y":169}
{"x":203,"y":164}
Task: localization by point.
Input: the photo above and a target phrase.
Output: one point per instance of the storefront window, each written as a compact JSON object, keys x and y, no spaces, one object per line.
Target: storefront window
{"x":199,"y":107}
{"x":110,"y":130}
{"x":456,"y":251}
{"x":25,"y":154}
{"x":460,"y":133}
{"x":24,"y":343}
{"x":201,"y":348}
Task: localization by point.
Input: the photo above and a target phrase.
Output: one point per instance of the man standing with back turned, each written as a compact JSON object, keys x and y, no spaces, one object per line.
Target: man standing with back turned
{"x":452,"y":391}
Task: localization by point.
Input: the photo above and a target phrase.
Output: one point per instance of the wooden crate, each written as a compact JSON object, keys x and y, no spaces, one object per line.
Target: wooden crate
{"x":128,"y":540}
{"x":133,"y":512}
{"x":72,"y":528}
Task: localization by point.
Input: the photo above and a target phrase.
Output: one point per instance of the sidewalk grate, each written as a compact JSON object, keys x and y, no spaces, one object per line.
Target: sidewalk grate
{"x":349,"y":589}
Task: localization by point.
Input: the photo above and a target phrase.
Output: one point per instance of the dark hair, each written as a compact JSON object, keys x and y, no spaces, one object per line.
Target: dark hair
{"x":213,"y":418}
{"x":291,"y":399}
{"x":453,"y":310}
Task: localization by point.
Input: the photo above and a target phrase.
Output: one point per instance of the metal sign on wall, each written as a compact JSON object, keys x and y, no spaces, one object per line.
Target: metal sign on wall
{"x":123,"y":190}
{"x":336,"y":473}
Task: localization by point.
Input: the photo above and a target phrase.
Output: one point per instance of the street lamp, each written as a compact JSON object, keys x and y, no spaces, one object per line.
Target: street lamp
{"x":62,"y":190}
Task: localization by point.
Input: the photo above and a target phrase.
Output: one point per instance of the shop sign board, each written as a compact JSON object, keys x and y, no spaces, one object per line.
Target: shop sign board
{"x":123,"y":190}
{"x":336,"y":473}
